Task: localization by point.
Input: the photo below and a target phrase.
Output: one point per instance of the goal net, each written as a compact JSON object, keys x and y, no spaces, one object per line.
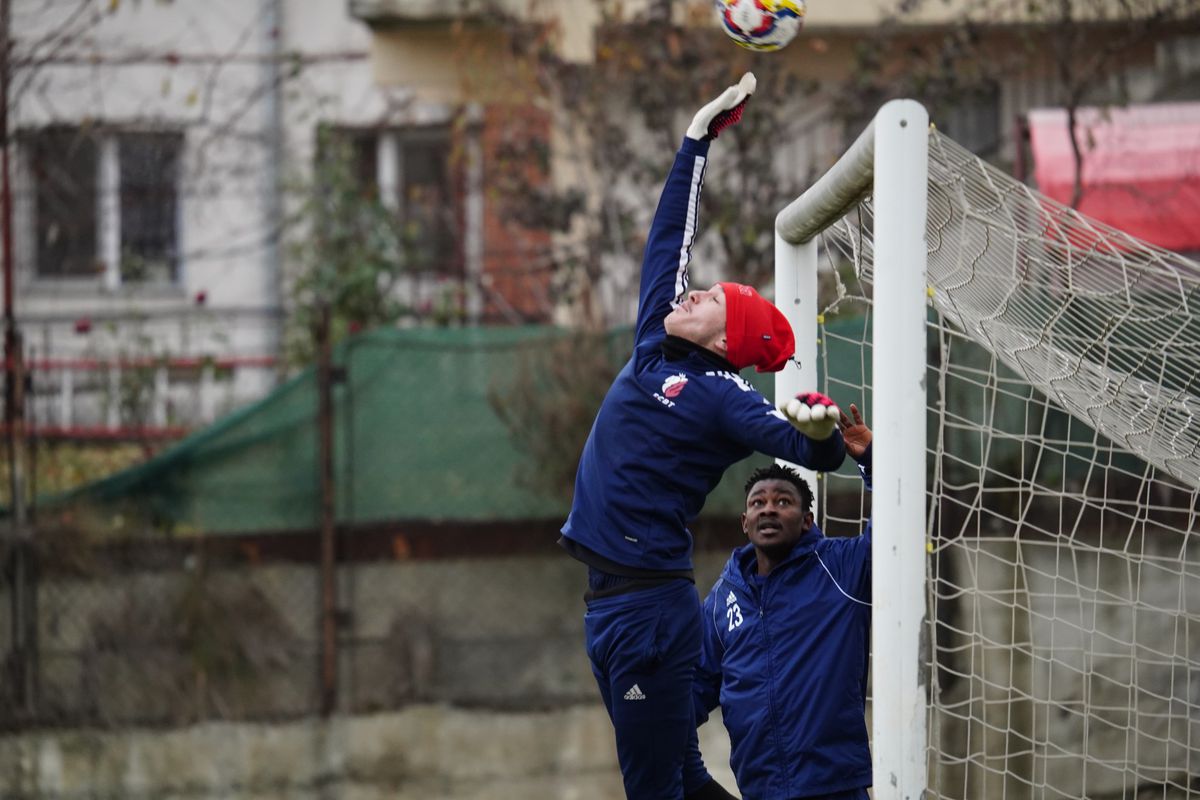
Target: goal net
{"x":1058,"y":639}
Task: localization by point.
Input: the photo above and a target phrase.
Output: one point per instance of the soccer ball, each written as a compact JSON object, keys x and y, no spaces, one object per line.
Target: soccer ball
{"x":761,"y":25}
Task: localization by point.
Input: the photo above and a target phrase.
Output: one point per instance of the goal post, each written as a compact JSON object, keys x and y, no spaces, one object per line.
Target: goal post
{"x":1033,"y":380}
{"x":889,"y":161}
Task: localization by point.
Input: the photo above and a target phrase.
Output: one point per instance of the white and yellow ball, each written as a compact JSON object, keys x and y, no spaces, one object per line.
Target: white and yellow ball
{"x":761,"y":25}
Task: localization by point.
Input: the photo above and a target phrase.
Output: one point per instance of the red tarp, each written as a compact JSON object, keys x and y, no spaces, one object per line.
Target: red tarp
{"x":1141,"y":168}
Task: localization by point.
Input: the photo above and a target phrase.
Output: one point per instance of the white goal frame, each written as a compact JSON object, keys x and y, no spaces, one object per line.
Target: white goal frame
{"x":890,"y":161}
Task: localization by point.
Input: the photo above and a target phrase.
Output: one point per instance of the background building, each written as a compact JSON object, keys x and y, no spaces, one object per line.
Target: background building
{"x":201,"y":189}
{"x":163,"y":171}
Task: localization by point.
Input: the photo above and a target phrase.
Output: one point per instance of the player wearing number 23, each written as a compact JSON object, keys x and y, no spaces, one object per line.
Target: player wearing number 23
{"x":786,"y":639}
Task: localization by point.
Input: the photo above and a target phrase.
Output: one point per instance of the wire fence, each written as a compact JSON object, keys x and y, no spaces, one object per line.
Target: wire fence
{"x":172,"y":635}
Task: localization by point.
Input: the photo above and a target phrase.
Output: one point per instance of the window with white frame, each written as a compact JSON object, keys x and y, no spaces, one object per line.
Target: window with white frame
{"x":408,"y":169}
{"x":104,"y":204}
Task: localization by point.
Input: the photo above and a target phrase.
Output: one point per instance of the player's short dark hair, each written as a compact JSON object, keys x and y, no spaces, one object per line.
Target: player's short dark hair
{"x":778,"y":472}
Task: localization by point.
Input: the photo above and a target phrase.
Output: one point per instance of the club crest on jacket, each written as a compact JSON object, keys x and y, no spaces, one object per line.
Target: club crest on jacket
{"x":673,"y":385}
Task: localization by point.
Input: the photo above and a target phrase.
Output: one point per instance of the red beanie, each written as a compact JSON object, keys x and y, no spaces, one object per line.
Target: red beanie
{"x":756,"y":332}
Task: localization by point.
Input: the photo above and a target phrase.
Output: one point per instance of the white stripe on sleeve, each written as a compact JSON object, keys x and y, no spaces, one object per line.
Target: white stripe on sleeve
{"x":846,"y":594}
{"x":689,"y":229}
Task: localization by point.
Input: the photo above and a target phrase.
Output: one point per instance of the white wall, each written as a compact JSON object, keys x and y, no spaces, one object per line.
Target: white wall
{"x":206,"y":69}
{"x":192,"y":67}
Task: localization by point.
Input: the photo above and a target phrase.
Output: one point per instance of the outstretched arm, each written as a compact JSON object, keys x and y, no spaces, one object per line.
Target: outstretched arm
{"x":749,"y":418}
{"x":669,"y":246}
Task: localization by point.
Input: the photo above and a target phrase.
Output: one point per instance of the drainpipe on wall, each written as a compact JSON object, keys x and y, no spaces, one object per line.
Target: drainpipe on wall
{"x":272,"y":24}
{"x":473,"y":218}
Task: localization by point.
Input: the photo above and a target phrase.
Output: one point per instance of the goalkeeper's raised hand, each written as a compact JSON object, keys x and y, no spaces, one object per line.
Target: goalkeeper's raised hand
{"x":726,"y":110}
{"x":812,"y":413}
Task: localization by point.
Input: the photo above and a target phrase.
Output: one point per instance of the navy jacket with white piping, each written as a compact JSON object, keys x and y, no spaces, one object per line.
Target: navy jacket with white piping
{"x":786,"y":659}
{"x":669,"y":428}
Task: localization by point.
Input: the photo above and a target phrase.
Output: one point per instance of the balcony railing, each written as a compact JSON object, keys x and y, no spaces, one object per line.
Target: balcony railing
{"x":137,"y":398}
{"x":416,"y":11}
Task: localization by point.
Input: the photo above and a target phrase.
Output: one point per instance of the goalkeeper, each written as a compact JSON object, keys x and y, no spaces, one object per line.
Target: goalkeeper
{"x":786,"y":641}
{"x":676,"y":417}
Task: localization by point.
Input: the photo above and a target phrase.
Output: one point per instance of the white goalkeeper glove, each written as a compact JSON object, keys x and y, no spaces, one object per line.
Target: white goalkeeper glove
{"x":726,"y":110}
{"x":811,"y":413}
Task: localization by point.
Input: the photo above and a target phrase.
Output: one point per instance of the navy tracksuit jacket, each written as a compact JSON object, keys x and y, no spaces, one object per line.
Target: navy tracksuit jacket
{"x":668,"y":429}
{"x":786,"y":656}
{"x":665,"y":433}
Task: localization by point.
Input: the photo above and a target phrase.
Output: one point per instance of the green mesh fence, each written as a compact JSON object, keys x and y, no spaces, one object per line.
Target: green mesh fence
{"x":416,"y":438}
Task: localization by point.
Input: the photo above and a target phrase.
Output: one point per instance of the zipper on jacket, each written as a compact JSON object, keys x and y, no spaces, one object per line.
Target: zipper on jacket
{"x":785,"y":780}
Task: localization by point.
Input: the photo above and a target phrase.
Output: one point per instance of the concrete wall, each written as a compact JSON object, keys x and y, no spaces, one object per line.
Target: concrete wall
{"x":466,"y":678}
{"x":444,"y":647}
{"x":182,"y":645}
{"x":420,"y":752}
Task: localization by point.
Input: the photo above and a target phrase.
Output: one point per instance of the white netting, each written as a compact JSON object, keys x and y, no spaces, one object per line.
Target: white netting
{"x":1064,"y":576}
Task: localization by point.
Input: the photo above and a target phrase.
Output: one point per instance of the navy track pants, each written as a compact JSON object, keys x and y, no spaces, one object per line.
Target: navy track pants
{"x":644,"y":647}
